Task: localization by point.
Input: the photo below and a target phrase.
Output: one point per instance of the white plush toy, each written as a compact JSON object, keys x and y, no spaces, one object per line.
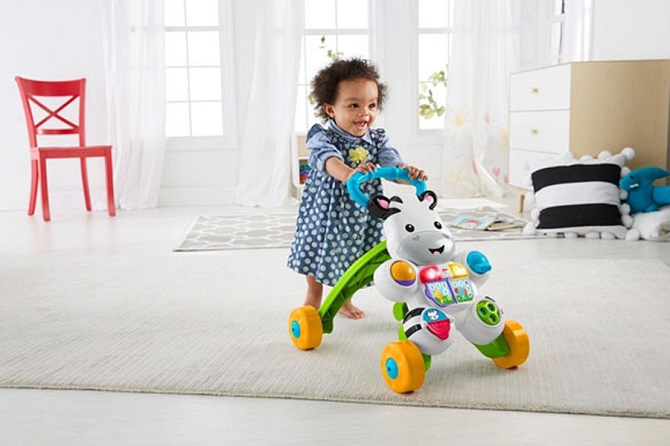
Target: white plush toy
{"x":654,"y":226}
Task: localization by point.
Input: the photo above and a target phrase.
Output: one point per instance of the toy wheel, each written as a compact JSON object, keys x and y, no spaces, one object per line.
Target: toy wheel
{"x":304,"y":327}
{"x":402,"y":366}
{"x":519,"y":346}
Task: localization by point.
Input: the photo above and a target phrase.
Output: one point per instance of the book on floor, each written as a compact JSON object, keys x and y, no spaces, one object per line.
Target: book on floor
{"x":486,"y":223}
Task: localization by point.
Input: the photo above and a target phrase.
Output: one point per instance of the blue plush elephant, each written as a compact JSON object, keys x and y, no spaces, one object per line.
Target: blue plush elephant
{"x":643,"y":196}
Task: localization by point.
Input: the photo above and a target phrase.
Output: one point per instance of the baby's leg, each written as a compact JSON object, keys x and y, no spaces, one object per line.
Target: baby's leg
{"x":314,"y":292}
{"x":351,"y":311}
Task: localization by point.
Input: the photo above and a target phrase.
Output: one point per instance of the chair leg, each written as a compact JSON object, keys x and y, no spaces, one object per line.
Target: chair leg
{"x":84,"y":183}
{"x":44,"y":189}
{"x":111,"y":206}
{"x":34,"y":179}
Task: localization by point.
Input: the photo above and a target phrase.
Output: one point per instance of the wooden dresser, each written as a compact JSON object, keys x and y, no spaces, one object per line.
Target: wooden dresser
{"x":588,"y":107}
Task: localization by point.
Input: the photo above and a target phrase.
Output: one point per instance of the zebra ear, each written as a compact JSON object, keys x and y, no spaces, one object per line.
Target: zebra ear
{"x":430,"y":198}
{"x":380,"y":206}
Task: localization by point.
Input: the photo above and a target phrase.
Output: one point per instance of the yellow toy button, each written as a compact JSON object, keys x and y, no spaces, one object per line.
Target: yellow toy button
{"x":457,"y":270}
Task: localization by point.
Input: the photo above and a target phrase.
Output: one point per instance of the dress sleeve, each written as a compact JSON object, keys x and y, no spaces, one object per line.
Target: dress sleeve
{"x":320,"y":148}
{"x":387,"y":155}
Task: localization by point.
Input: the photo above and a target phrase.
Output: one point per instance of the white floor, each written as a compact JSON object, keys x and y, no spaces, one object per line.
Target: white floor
{"x":47,"y":417}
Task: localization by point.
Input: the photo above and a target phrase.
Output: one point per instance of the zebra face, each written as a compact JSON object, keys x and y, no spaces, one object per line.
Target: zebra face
{"x":427,"y":247}
{"x":413,"y":228}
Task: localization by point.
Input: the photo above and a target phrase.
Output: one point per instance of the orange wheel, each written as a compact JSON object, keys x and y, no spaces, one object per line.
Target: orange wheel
{"x":519,"y":346}
{"x":304,"y":327}
{"x":402,"y":366}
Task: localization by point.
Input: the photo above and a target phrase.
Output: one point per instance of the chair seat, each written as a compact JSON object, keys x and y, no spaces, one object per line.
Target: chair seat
{"x":70,"y":151}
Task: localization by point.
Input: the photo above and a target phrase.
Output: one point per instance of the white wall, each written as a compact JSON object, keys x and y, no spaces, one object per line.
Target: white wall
{"x":631,"y":29}
{"x":52,"y":40}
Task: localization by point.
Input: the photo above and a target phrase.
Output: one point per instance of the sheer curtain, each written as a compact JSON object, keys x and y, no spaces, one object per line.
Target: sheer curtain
{"x":267,"y":40}
{"x":577,"y":38}
{"x":491,"y":40}
{"x":135,"y":93}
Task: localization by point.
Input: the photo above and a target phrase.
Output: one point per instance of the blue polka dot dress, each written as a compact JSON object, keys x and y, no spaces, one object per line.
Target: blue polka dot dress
{"x":332,"y":230}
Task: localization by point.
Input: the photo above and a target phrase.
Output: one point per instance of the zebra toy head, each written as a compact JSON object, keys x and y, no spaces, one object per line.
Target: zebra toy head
{"x":413,"y":228}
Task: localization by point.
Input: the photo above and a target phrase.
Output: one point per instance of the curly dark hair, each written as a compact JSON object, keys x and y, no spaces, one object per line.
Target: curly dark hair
{"x":326,"y":81}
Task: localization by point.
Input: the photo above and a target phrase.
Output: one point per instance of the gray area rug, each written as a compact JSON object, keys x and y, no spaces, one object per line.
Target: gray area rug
{"x":216,"y":233}
{"x":217,"y":325}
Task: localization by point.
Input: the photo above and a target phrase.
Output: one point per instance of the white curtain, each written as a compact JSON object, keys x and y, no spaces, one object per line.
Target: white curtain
{"x":491,"y":40}
{"x":135,"y":93}
{"x":267,"y":53}
{"x":577,"y":38}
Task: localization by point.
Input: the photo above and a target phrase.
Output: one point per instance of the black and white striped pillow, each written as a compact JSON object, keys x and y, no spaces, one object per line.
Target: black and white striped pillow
{"x":577,"y":196}
{"x":580,"y":197}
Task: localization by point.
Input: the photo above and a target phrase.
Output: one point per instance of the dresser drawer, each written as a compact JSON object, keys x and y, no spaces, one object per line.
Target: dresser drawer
{"x":544,"y":131}
{"x":545,"y":89}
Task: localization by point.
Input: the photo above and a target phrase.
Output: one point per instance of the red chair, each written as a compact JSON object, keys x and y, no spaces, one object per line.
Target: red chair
{"x":63,"y":93}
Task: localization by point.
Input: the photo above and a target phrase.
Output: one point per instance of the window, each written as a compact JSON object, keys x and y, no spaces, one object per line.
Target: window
{"x":195,"y":90}
{"x":333,"y":29}
{"x":435,"y":22}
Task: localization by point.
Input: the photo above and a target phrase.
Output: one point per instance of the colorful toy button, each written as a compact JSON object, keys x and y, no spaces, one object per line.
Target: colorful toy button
{"x":457,"y":270}
{"x":488,"y":312}
{"x":430,"y":273}
{"x":437,"y":322}
{"x":403,"y":273}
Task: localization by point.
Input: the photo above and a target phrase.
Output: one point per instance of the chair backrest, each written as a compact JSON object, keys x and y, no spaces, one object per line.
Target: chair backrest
{"x":54,"y":99}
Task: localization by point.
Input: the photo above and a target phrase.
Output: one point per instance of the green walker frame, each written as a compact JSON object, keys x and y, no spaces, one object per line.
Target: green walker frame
{"x":359,"y":274}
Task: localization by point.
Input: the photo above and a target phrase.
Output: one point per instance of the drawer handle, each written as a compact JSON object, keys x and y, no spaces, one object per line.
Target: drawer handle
{"x":534,"y":131}
{"x":534,"y":90}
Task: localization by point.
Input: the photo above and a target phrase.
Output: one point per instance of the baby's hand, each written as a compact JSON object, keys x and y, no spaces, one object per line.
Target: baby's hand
{"x":414,"y":172}
{"x":363,"y":168}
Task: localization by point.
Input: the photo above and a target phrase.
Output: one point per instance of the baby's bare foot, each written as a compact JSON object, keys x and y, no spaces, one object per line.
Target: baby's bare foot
{"x":351,"y":311}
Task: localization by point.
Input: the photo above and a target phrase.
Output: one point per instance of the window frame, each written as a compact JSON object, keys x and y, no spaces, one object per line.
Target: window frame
{"x":417,"y":31}
{"x":227,"y":141}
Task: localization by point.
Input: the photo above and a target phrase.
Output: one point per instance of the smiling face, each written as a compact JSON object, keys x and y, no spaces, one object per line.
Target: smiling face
{"x":427,"y":248}
{"x":413,"y":228}
{"x":355,"y":107}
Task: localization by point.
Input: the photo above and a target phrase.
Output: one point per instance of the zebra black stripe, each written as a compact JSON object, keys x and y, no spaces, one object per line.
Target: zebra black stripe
{"x":410,"y":314}
{"x":411,"y":330}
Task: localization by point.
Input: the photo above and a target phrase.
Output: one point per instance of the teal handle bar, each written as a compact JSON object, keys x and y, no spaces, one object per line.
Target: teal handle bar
{"x":387,"y":173}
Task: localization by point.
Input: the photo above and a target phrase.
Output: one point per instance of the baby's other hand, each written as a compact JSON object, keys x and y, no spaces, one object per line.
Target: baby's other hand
{"x":415,"y":173}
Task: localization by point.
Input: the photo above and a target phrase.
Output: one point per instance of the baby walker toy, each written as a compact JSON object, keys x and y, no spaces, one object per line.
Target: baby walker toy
{"x":434,"y":289}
